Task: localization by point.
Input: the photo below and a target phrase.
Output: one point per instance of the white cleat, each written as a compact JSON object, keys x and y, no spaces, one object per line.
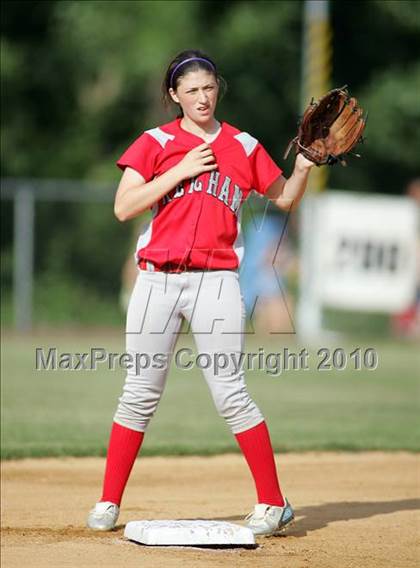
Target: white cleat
{"x":267,"y":520}
{"x":103,"y":517}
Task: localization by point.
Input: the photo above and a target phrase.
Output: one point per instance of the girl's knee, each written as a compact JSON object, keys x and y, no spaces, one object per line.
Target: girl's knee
{"x":136,"y":410}
{"x":240,"y":414}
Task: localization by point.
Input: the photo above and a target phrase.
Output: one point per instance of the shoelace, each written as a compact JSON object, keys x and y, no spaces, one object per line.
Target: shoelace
{"x":108,"y":510}
{"x":256,"y":516}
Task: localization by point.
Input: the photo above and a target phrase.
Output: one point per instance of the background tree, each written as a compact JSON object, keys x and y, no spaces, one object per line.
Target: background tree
{"x":80,"y":80}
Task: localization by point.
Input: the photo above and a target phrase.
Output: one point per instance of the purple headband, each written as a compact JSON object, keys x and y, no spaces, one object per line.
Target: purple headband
{"x":187,"y":61}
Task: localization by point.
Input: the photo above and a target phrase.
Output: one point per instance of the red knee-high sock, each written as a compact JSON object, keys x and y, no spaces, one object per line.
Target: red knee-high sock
{"x":256,"y":447}
{"x":124,"y":445}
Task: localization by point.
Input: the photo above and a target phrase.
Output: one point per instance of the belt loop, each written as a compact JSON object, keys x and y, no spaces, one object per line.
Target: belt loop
{"x":150,"y":266}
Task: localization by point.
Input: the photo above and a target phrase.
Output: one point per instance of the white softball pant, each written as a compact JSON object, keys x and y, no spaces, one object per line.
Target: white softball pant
{"x":212,"y":304}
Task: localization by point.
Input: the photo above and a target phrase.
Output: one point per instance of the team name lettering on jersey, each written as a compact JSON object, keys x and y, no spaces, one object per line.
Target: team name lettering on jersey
{"x":217,"y":186}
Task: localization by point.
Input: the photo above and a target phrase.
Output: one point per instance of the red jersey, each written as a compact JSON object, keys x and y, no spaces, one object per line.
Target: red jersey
{"x":198,"y":222}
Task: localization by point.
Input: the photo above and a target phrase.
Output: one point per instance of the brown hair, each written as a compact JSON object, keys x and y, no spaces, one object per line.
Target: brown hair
{"x":171,"y":79}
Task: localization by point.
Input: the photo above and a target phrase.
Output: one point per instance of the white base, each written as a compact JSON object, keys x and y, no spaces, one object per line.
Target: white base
{"x":189,"y":533}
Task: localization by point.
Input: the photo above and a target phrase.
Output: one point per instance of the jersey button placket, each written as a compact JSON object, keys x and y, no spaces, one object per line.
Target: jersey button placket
{"x":197,"y":204}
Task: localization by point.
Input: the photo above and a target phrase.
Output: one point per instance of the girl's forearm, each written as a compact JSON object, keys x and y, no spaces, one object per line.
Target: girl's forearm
{"x":295,"y":187}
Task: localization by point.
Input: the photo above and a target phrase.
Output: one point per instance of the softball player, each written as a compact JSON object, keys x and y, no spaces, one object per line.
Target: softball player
{"x":194,"y":173}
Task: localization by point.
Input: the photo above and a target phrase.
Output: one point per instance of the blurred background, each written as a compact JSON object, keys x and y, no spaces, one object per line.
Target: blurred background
{"x":80,"y":81}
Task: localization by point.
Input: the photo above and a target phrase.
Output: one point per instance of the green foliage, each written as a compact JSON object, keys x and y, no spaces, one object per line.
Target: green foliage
{"x":376,"y":45}
{"x":80,"y":80}
{"x":395,"y":93}
{"x":84,"y":243}
{"x":61,"y":301}
{"x":405,"y":13}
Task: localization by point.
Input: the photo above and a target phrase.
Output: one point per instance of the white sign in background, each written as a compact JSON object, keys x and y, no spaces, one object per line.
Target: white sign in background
{"x":366,"y":251}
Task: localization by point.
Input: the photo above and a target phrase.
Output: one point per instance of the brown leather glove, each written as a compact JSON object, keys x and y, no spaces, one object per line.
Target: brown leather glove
{"x":329,"y":128}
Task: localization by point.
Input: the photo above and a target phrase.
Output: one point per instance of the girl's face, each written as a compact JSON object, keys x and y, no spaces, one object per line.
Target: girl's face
{"x":196,"y":93}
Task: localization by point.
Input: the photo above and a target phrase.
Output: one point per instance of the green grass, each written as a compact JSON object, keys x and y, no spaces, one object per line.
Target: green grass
{"x":47,"y":413}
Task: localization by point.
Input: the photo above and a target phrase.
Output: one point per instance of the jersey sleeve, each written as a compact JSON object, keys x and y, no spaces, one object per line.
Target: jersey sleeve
{"x":263,"y":168}
{"x":141,"y":155}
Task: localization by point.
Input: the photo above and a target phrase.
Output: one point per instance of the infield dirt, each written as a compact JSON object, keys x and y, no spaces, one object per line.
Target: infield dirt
{"x":353,"y":510}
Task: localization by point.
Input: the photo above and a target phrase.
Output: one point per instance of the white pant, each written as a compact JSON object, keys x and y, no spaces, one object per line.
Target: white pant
{"x":212,"y":303}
